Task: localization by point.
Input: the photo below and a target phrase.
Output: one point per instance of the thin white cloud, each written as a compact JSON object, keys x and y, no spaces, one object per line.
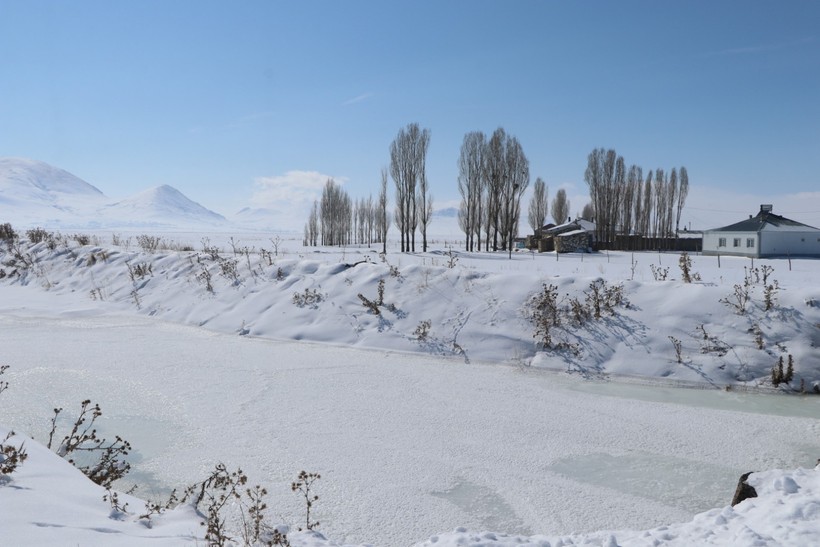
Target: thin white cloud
{"x":358,"y":99}
{"x":294,"y":188}
{"x":285,"y":200}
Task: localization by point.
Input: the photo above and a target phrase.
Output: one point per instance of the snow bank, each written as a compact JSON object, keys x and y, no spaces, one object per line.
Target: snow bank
{"x":475,"y":304}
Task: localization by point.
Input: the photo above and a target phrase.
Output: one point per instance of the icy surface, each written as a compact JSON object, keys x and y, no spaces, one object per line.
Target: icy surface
{"x":406,"y":444}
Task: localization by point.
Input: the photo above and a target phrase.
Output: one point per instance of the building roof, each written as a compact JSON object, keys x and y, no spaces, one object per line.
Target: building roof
{"x":572,"y":233}
{"x":766,"y":221}
{"x":577,"y":224}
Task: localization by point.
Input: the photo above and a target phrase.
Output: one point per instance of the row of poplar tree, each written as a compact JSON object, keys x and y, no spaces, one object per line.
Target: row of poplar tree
{"x":493,"y":176}
{"x":624,"y":202}
{"x":336,"y":220}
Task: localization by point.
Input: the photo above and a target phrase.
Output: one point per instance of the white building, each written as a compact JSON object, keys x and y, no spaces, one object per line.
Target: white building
{"x":764,"y":235}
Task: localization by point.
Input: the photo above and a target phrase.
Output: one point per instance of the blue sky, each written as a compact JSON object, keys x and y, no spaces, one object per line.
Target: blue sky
{"x":254,"y":103}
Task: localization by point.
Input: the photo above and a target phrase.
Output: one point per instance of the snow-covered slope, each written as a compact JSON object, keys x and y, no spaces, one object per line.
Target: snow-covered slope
{"x":33,"y":193}
{"x":477,"y":310}
{"x":22,"y":178}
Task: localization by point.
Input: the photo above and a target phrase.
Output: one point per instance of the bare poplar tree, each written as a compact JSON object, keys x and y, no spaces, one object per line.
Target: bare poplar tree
{"x":494,"y":170}
{"x":671,"y":201}
{"x":516,"y":180}
{"x":506,"y":173}
{"x":370,"y":221}
{"x":312,"y":226}
{"x":560,"y":207}
{"x":606,"y":179}
{"x":594,"y":177}
{"x":638,"y":203}
{"x":634,"y":180}
{"x":537,"y":213}
{"x":383,"y":216}
{"x":683,"y":191}
{"x":464,"y":223}
{"x":399,"y":221}
{"x":471,"y":186}
{"x":336,"y":214}
{"x":424,"y":201}
{"x":588,"y":211}
{"x":660,"y":203}
{"x":647,"y":205}
{"x":617,"y":191}
{"x":408,"y":153}
{"x":359,"y":220}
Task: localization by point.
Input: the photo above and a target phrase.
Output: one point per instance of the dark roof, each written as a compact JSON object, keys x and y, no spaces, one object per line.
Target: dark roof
{"x":759,"y":222}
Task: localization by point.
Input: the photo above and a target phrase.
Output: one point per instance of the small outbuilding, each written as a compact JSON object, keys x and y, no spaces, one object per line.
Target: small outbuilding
{"x":574,"y":236}
{"x":764,"y":235}
{"x":575,"y":241}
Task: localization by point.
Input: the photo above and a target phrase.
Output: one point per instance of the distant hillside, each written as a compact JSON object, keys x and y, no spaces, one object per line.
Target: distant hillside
{"x":161,"y":206}
{"x":34,"y":193}
{"x":23,"y":178}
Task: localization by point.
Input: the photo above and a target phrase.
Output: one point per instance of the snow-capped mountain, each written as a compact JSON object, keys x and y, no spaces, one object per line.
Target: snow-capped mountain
{"x":161,"y":206}
{"x":34,"y":193}
{"x":24,"y":179}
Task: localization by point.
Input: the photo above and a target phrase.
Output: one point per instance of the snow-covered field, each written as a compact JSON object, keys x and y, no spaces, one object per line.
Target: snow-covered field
{"x":470,"y":425}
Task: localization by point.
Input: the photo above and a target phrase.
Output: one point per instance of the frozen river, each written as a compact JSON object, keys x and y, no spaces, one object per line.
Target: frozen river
{"x":407,"y":445}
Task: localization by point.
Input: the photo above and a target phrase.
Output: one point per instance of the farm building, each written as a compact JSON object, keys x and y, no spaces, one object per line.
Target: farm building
{"x":764,"y":235}
{"x":575,"y":236}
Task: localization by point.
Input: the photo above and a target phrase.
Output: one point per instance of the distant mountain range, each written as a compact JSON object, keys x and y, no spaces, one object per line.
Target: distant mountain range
{"x":33,"y":193}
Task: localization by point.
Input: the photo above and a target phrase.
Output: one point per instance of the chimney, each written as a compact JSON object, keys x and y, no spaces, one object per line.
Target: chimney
{"x":766,"y":208}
